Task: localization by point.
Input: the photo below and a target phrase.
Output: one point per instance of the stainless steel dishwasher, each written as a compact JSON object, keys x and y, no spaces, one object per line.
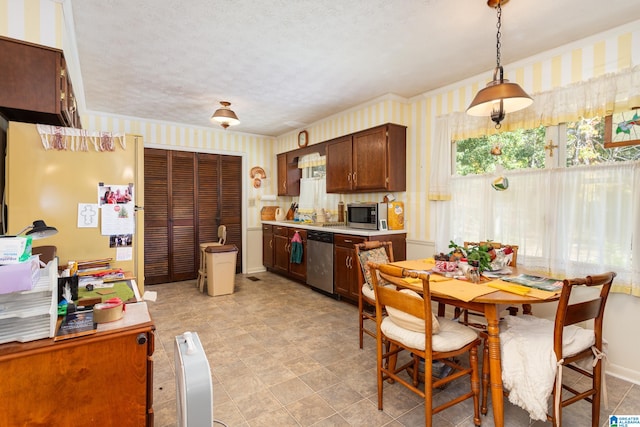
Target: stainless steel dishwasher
{"x":320,"y":260}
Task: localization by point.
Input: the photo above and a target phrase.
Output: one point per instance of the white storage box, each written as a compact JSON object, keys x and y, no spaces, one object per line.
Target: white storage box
{"x":15,"y":249}
{"x":31,"y":315}
{"x":20,"y":277}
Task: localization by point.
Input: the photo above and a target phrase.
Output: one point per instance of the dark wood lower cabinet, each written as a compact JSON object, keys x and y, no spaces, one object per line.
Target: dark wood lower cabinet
{"x":281,"y":239}
{"x":345,"y":265}
{"x":276,"y":253}
{"x":187,"y":196}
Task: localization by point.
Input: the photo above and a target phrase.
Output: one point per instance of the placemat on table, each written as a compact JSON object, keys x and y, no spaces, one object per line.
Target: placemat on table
{"x":416,"y":264}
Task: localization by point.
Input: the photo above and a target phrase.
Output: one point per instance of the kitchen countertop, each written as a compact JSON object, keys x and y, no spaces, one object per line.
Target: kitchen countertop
{"x":335,"y":228}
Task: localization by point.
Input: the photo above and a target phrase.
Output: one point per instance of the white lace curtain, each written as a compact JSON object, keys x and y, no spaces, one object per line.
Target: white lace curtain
{"x":567,"y":221}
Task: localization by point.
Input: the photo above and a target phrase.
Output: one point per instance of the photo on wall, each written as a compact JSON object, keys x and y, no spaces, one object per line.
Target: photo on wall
{"x":114,"y":194}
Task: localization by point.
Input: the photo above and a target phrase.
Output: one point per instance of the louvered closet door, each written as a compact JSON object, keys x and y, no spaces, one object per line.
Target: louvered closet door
{"x":183,"y":216}
{"x":156,"y":216}
{"x":231,"y":202}
{"x":187,"y":196}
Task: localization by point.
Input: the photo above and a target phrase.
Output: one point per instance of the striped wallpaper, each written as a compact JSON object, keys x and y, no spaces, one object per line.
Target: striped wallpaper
{"x":42,"y":21}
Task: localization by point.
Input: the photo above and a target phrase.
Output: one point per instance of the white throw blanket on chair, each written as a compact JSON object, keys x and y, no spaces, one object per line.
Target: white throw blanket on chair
{"x":529,"y":363}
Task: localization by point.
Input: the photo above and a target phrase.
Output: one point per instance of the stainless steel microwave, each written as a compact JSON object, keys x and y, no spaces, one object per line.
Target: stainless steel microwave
{"x":370,"y":216}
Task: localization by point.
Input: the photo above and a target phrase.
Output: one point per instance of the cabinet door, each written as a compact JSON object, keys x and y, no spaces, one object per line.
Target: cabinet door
{"x":370,"y":160}
{"x":339,"y":165}
{"x":281,"y":249}
{"x":299,"y":271}
{"x":346,"y":265}
{"x":83,"y":374}
{"x":342,"y":257}
{"x":288,"y":175}
{"x":282,"y":174}
{"x":267,"y":246}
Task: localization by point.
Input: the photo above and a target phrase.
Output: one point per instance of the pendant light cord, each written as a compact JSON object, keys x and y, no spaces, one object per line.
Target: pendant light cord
{"x":498,"y":34}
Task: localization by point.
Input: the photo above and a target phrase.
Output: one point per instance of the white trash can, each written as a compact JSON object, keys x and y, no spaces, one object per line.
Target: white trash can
{"x":221,"y":269}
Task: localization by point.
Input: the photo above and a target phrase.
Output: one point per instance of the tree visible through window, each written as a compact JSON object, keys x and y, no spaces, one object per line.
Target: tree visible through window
{"x":583,"y":143}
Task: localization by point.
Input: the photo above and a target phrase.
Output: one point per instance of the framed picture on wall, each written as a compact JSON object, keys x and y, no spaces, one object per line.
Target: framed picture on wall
{"x":622,"y":129}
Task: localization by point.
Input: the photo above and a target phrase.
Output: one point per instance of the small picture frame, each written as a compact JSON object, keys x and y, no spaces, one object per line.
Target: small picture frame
{"x":622,"y":129}
{"x":383,"y":224}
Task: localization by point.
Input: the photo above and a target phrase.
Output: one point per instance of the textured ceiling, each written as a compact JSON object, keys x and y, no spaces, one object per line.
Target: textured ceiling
{"x":284,"y":64}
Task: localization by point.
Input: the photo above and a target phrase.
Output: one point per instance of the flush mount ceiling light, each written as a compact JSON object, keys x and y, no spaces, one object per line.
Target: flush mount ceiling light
{"x":500,"y":96}
{"x":225,"y":116}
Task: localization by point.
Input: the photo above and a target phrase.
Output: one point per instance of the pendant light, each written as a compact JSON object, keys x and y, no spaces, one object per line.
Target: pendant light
{"x":225,"y":115}
{"x":500,"y":96}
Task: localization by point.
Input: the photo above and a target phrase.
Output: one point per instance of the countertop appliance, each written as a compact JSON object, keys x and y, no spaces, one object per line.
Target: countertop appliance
{"x":320,"y":260}
{"x":370,"y":216}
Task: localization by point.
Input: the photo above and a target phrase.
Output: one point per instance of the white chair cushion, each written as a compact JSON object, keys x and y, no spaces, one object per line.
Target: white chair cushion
{"x":370,"y":293}
{"x":452,"y":335}
{"x":409,"y":321}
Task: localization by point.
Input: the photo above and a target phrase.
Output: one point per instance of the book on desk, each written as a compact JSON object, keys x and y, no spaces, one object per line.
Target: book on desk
{"x":76,"y":324}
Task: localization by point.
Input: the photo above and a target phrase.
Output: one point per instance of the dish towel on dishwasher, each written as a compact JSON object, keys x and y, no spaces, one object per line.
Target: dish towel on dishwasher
{"x":296,"y":249}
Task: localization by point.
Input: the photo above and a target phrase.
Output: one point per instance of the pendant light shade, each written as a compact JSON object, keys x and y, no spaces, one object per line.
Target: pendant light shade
{"x":500,"y":96}
{"x":225,"y":116}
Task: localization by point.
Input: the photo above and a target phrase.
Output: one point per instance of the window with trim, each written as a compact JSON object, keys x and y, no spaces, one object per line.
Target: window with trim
{"x":568,"y":144}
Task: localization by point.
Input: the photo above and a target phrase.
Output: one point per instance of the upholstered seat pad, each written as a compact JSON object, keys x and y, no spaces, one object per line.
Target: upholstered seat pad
{"x":452,"y":335}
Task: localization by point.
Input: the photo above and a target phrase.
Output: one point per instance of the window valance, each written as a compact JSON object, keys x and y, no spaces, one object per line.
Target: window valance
{"x":598,"y":96}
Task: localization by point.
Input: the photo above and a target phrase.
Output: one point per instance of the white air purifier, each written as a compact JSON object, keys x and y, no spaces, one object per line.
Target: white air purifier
{"x":194,"y":389}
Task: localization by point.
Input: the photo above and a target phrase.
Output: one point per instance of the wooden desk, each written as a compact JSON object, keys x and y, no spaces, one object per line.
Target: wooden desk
{"x":102,"y":379}
{"x":489,"y":306}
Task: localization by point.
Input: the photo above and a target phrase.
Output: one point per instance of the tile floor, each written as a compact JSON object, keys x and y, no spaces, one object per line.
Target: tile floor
{"x":282,"y":354}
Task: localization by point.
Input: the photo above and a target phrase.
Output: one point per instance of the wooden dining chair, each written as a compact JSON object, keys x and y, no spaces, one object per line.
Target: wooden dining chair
{"x":380,"y":252}
{"x":452,"y":342}
{"x":572,"y":313}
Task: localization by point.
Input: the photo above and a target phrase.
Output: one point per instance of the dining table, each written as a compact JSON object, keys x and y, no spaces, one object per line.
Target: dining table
{"x":488,"y":297}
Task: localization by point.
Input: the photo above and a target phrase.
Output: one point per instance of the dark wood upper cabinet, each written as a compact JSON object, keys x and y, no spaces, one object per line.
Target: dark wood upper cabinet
{"x":368,"y":161}
{"x":35,"y":86}
{"x":288,"y":175}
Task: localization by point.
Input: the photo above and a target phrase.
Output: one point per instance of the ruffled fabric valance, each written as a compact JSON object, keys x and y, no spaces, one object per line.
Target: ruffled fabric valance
{"x":312,"y":159}
{"x":62,"y":139}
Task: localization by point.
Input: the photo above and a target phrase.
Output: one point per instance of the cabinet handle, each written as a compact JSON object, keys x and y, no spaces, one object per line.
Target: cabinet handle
{"x":141,"y":338}
{"x":349,"y":177}
{"x":271,"y":243}
{"x":355,"y":177}
{"x":346,"y":262}
{"x":348,"y":241}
